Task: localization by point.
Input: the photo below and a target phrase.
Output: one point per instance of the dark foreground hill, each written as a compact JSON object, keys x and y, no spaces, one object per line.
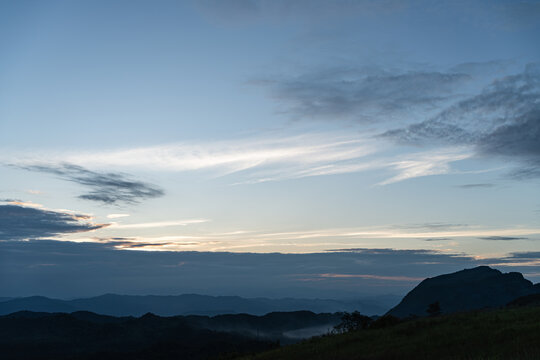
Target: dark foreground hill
{"x":470,"y":289}
{"x":511,"y":333}
{"x":65,"y":336}
{"x":191,"y":304}
{"x":85,"y":335}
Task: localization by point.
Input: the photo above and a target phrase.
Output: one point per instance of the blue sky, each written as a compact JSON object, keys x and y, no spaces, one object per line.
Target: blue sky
{"x":272,"y":127}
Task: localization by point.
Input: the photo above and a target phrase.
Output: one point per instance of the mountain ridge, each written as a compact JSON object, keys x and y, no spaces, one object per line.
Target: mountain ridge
{"x":465,"y":290}
{"x":187,"y":304}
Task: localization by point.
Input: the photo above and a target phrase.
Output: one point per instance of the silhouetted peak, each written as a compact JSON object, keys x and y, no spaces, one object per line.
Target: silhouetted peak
{"x":149,"y":316}
{"x":515,"y":275}
{"x":108,"y":296}
{"x":475,"y":274}
{"x":468,"y":289}
{"x":481,"y":268}
{"x":25,"y":314}
{"x":476,"y":271}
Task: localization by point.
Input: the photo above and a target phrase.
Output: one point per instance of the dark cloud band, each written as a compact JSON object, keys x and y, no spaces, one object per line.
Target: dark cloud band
{"x":87,"y":269}
{"x":502,"y":238}
{"x":20,"y":223}
{"x":503,"y":121}
{"x":362,"y":94}
{"x":476,"y":186}
{"x":107,"y":188}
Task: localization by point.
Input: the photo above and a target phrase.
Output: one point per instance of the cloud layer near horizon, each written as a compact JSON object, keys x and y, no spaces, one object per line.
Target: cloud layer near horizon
{"x":66,"y":269}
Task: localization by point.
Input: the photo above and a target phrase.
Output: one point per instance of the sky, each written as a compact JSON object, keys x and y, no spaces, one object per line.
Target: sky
{"x":266,"y":148}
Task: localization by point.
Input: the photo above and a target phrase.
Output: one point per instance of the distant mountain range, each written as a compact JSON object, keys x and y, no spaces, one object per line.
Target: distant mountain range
{"x":191,"y":304}
{"x":470,"y":289}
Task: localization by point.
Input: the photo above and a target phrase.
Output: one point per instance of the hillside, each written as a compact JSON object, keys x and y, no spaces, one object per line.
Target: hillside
{"x":29,"y":335}
{"x":512,"y":333}
{"x":470,"y":289}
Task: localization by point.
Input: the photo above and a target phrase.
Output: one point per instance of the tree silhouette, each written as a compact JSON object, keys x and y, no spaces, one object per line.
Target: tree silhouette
{"x":352,"y":322}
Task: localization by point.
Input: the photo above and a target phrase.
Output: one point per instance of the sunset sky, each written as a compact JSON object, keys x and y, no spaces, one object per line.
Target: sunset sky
{"x":356,"y":146}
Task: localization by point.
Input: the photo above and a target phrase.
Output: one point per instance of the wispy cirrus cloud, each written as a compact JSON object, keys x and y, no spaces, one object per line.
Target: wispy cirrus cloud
{"x":431,"y":163}
{"x":500,"y":121}
{"x":34,"y":192}
{"x":235,"y":155}
{"x":117,"y":216}
{"x":308,"y":240}
{"x":364,"y":95}
{"x":506,"y":101}
{"x":479,"y":107}
{"x":502,"y":238}
{"x":407,"y":166}
{"x":260,"y":159}
{"x":159,"y":224}
{"x":106,"y":187}
{"x":376,"y":95}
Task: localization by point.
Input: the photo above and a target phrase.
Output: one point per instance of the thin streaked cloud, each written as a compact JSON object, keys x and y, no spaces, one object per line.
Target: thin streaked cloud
{"x":34,"y":192}
{"x":303,"y":241}
{"x":116,"y":216}
{"x":425,"y":164}
{"x":158,"y":224}
{"x":369,"y":276}
{"x":235,"y":155}
{"x":23,"y":203}
{"x":267,"y":159}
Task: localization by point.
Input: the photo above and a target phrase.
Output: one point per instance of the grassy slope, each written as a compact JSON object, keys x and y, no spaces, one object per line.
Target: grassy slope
{"x":498,"y":334}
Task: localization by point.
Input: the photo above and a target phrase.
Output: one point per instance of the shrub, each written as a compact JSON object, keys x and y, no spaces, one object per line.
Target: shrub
{"x":352,"y":322}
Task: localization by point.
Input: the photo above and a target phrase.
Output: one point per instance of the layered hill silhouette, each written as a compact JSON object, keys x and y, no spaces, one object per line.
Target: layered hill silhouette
{"x":83,"y":335}
{"x":189,"y":304}
{"x":470,"y":289}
